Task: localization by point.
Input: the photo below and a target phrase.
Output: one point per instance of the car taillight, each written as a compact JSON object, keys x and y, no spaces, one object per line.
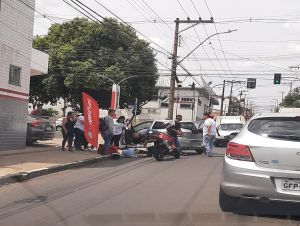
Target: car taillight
{"x":35,"y":123}
{"x":239,"y":152}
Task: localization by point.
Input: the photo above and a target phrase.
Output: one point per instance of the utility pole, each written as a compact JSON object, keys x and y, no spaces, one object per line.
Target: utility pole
{"x":174,"y":58}
{"x":230,"y":101}
{"x":173,"y":72}
{"x":222,"y":98}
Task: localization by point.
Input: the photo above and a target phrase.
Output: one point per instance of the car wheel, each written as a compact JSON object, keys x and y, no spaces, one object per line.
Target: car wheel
{"x":227,"y":203}
{"x":30,"y":142}
{"x":200,"y":151}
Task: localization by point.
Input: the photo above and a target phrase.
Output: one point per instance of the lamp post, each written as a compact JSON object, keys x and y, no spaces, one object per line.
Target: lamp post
{"x":175,"y":62}
{"x":115,"y":95}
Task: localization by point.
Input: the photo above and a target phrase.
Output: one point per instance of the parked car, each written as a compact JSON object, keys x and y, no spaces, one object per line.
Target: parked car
{"x":192,"y":133}
{"x":262,"y":161}
{"x":58,"y":123}
{"x":227,"y":125}
{"x":39,"y":129}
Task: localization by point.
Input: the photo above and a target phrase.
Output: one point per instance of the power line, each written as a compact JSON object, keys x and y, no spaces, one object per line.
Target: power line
{"x":107,"y":9}
{"x":208,"y":40}
{"x":218,"y":37}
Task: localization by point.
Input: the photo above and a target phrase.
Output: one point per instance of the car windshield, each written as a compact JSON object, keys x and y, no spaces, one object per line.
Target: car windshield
{"x":231,"y":126}
{"x":160,"y":125}
{"x":284,"y":128}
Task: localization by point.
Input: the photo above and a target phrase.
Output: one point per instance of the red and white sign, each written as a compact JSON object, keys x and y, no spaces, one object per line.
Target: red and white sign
{"x":115,"y":97}
{"x":91,"y":119}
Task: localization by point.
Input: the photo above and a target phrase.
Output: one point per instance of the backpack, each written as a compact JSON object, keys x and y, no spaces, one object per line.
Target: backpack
{"x":102,"y":125}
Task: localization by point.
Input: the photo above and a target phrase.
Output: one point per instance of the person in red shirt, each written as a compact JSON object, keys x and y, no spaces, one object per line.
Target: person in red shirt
{"x":38,"y":110}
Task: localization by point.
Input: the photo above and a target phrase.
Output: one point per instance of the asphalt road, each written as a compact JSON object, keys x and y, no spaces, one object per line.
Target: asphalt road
{"x":129,"y":192}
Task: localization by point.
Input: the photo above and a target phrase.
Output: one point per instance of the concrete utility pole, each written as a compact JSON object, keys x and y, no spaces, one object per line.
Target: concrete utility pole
{"x":222,"y":98}
{"x":174,"y":58}
{"x":230,"y":99}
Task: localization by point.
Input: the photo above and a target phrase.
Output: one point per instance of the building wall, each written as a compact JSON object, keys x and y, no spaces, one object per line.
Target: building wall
{"x":16,"y":28}
{"x":161,"y":110}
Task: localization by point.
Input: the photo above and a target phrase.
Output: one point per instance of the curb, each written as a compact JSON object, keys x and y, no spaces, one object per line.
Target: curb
{"x":24,"y":176}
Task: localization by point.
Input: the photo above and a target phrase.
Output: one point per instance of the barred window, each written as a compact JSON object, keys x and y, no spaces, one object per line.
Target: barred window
{"x":15,"y":75}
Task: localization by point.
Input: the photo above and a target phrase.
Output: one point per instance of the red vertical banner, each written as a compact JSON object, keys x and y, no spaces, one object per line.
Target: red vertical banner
{"x":91,"y":119}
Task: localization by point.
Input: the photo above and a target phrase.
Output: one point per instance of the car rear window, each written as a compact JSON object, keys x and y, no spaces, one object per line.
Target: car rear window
{"x":231,"y":126}
{"x":160,"y":125}
{"x":187,"y":125}
{"x":282,"y":128}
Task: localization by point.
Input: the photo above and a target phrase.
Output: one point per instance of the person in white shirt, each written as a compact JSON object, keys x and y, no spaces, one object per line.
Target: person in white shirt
{"x":79,"y":134}
{"x":119,"y":126}
{"x":209,"y":133}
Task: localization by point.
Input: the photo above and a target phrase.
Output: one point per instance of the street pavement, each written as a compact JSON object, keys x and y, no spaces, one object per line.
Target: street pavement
{"x":129,"y":192}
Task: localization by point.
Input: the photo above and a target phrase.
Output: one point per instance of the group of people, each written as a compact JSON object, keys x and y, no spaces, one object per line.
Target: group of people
{"x":73,"y":127}
{"x":111,"y":132}
{"x":73,"y":132}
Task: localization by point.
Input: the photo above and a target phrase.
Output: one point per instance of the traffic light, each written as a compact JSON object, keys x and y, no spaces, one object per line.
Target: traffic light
{"x":277,"y":78}
{"x":251,"y":83}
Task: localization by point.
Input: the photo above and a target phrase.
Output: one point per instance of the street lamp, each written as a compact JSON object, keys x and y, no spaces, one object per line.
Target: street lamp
{"x":175,"y":63}
{"x":115,"y":96}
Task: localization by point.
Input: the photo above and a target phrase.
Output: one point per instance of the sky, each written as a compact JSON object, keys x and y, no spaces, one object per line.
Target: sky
{"x":267,"y":39}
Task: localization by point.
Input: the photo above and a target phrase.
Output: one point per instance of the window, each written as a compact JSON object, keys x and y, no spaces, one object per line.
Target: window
{"x":231,"y":126}
{"x":281,"y":128}
{"x":160,"y":125}
{"x":14,"y":75}
{"x":186,"y":106}
{"x":143,"y":125}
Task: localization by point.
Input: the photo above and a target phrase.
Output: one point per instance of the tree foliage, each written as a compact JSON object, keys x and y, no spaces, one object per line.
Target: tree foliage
{"x":292,"y":100}
{"x":81,"y":50}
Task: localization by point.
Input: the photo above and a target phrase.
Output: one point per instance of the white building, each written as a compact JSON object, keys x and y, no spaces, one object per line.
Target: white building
{"x":17,"y":62}
{"x":190,"y":103}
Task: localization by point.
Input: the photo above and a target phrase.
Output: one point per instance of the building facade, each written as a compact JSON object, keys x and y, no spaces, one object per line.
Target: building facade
{"x":192,"y":98}
{"x":16,"y":33}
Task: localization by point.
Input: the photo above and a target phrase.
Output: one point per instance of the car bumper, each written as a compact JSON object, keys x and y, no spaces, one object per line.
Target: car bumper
{"x":40,"y":136}
{"x":247,"y":180}
{"x":191,"y":144}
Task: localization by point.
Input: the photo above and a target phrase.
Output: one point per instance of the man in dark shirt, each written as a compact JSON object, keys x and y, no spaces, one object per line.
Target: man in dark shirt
{"x":175,"y":130}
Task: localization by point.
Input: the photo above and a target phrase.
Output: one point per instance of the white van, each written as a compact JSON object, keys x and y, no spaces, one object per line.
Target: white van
{"x":227,"y":125}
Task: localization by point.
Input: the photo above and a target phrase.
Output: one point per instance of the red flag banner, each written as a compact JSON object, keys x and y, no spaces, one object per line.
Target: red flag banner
{"x":91,"y":119}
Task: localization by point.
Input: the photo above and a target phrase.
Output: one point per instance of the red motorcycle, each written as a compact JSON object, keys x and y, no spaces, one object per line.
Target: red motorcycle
{"x":163,"y":145}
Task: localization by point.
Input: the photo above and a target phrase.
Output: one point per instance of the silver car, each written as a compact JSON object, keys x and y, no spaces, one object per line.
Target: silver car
{"x":263,"y":161}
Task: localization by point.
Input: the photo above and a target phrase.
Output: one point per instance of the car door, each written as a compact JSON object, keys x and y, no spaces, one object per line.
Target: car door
{"x":126,"y":137}
{"x":192,"y":135}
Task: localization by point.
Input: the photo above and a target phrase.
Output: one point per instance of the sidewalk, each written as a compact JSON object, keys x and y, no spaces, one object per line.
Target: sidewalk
{"x":39,"y":159}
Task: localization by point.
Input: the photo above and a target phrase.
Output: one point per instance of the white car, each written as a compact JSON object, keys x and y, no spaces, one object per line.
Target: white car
{"x":263,"y":161}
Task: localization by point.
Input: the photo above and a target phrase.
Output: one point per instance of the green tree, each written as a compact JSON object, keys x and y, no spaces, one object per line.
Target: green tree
{"x":81,"y":50}
{"x":292,"y":100}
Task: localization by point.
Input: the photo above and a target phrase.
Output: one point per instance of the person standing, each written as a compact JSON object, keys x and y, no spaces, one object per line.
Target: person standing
{"x":108,"y":131}
{"x":79,"y":134}
{"x":119,"y":126}
{"x":68,"y":130}
{"x":209,"y":133}
{"x":175,"y":130}
{"x":38,"y":111}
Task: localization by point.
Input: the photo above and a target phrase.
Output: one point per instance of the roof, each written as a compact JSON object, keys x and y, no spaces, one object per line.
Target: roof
{"x":187,"y":81}
{"x":277,"y":114}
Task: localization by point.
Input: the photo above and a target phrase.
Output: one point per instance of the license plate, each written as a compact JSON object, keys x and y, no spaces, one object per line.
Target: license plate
{"x":48,"y":128}
{"x":290,"y":184}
